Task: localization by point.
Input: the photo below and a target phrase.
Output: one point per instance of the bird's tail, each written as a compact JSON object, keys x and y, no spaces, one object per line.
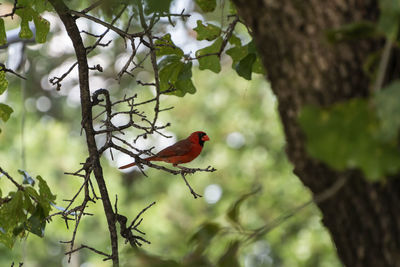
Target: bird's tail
{"x":128,"y":165}
{"x":153,"y":158}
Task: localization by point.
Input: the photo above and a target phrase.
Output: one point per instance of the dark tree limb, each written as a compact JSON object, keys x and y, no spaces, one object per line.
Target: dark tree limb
{"x":87,"y":123}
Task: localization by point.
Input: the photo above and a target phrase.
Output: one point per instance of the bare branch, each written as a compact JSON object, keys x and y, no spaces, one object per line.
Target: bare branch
{"x":195,"y":195}
{"x":19,"y":186}
{"x":57,"y":80}
{"x":3,"y":68}
{"x":140,"y":214}
{"x":126,"y":232}
{"x":92,"y":6}
{"x":90,"y":248}
{"x":12,"y":13}
{"x":120,"y":32}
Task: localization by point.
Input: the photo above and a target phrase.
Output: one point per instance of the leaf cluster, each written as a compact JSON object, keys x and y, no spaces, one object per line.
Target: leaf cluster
{"x":25,"y":210}
{"x":360,"y":133}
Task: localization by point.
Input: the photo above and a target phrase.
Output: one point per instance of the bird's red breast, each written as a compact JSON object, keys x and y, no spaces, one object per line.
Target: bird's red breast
{"x":182,"y":151}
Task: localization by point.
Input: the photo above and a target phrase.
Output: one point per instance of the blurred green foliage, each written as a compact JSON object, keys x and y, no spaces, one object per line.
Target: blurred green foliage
{"x":359,"y":133}
{"x":252,"y":157}
{"x":207,"y":5}
{"x":254,"y":183}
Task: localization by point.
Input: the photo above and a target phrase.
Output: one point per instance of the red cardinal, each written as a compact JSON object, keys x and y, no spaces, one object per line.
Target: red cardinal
{"x":181,"y":152}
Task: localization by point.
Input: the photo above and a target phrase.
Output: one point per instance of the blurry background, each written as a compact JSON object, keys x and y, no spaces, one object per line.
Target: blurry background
{"x":246,"y":147}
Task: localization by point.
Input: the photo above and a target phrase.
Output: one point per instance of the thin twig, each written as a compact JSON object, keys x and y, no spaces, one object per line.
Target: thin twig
{"x":90,"y":248}
{"x":3,"y":68}
{"x":12,"y":13}
{"x":19,"y":186}
{"x":383,"y":63}
{"x":317,"y":199}
{"x":140,"y":214}
{"x":195,"y":195}
{"x":120,"y":32}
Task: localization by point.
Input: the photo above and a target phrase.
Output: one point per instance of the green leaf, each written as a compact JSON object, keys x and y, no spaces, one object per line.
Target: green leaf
{"x":46,"y":197}
{"x":186,"y":72}
{"x":207,"y":5}
{"x":147,"y":259}
{"x":32,"y":192}
{"x":251,"y":47}
{"x":165,"y":46}
{"x":3,"y":36}
{"x":44,"y":189}
{"x":371,"y":64}
{"x":184,"y":83}
{"x":245,"y":66}
{"x":233,"y":211}
{"x":26,"y":15}
{"x":36,"y":222}
{"x":19,"y":230}
{"x":12,"y":213}
{"x":42,"y":5}
{"x":352,"y":31}
{"x":258,"y":67}
{"x":389,"y":18}
{"x":246,"y":60}
{"x":168,"y":60}
{"x":42,"y":28}
{"x":237,"y":53}
{"x":7,"y":238}
{"x":347,"y":136}
{"x":28,"y":206}
{"x":202,"y":238}
{"x":170,"y":68}
{"x":207,"y":32}
{"x":183,"y":87}
{"x":234,"y":40}
{"x":207,"y":60}
{"x":25,"y":3}
{"x":176,"y":74}
{"x":229,"y":258}
{"x":161,"y":6}
{"x":389,"y":25}
{"x":5,"y":112}
{"x":3,"y":82}
{"x":387,"y":102}
{"x":232,"y":8}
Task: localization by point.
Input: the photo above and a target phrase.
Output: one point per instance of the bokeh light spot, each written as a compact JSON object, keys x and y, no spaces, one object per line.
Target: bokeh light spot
{"x":212,"y":193}
{"x":235,"y":140}
{"x":43,"y":104}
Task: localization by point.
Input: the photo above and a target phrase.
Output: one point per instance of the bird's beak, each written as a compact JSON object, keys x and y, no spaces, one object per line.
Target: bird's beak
{"x":205,"y":138}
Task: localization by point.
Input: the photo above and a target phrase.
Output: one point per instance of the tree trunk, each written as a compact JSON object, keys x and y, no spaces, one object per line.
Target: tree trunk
{"x":303,"y":68}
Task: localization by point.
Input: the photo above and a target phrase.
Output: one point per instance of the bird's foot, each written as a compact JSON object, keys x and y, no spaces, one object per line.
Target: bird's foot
{"x":184,"y":169}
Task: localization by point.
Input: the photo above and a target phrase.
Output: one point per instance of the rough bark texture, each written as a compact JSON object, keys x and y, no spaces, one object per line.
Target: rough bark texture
{"x":303,"y":68}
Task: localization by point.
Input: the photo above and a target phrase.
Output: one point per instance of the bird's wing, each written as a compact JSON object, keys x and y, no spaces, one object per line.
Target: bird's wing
{"x":180,"y":148}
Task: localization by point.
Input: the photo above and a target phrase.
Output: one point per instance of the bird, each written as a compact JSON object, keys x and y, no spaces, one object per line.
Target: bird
{"x":183,"y":151}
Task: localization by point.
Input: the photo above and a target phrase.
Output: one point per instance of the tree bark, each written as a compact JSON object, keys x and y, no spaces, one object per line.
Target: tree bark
{"x":303,"y":68}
